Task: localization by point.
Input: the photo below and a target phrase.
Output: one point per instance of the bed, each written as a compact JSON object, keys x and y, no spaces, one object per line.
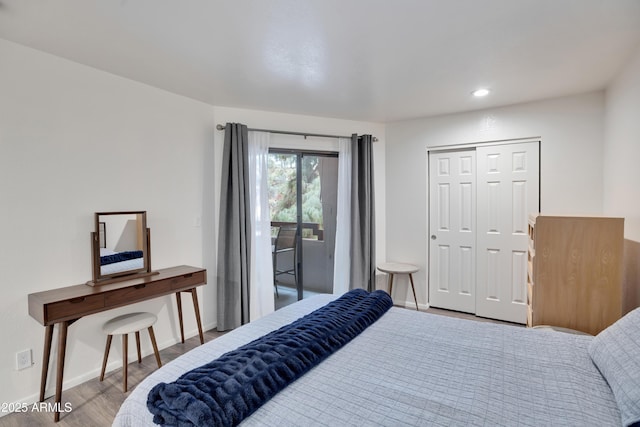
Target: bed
{"x":112,"y":262}
{"x":414,"y":368}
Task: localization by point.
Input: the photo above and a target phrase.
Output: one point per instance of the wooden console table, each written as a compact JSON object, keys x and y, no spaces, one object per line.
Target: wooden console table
{"x":63,"y":306}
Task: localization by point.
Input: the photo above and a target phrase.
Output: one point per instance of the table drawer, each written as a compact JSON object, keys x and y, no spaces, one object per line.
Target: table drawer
{"x":188,"y":280}
{"x":139,"y":292}
{"x":74,"y":307}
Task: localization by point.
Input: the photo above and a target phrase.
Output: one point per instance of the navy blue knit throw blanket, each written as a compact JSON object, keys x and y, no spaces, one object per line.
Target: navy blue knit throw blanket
{"x":227,"y":390}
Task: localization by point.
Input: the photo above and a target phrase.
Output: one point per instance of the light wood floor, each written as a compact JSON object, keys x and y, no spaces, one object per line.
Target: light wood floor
{"x":96,"y":403}
{"x":468,"y":316}
{"x":288,"y":295}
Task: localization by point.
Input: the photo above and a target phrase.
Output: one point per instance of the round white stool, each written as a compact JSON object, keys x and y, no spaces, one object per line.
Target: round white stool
{"x":392,"y":268}
{"x":124,"y":325}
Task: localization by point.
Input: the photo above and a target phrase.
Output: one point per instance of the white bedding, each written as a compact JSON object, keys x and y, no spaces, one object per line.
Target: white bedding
{"x":412,"y":368}
{"x":117,"y":267}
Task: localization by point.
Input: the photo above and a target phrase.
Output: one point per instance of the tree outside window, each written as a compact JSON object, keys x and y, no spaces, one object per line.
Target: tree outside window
{"x":282,"y":190}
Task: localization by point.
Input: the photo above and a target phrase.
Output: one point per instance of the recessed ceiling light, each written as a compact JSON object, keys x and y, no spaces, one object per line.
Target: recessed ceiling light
{"x":480,"y":92}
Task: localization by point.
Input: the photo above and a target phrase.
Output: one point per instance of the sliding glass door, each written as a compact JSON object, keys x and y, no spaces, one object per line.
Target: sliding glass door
{"x":303,"y":197}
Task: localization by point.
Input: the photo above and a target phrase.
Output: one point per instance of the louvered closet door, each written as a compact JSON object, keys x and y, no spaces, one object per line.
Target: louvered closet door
{"x":452,"y":220}
{"x":508,"y":190}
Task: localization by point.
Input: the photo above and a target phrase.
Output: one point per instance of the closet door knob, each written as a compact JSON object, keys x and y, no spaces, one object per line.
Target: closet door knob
{"x":433,"y":237}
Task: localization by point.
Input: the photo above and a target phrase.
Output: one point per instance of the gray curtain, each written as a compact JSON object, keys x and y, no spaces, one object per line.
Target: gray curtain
{"x":234,"y":241}
{"x":363,"y":233}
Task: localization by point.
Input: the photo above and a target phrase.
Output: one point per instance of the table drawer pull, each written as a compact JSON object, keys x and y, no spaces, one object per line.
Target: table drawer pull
{"x":141,"y":286}
{"x":186,"y":276}
{"x":77,"y":300}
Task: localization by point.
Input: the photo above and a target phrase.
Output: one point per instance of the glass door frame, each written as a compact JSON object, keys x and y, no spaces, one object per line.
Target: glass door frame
{"x":300,"y":153}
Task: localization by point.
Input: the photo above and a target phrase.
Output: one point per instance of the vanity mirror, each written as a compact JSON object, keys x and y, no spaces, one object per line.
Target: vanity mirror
{"x":120,"y":246}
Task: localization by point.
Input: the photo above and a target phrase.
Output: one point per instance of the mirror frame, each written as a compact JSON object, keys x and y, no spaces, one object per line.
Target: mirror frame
{"x":98,"y":278}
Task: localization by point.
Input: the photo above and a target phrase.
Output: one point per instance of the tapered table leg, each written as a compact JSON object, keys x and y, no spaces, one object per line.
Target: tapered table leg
{"x":152,"y":336}
{"x":125,"y":361}
{"x":62,"y":348}
{"x":196,"y":308}
{"x":413,"y":288}
{"x":138,"y":346}
{"x":106,"y":356}
{"x":46,"y":356}
{"x":179,"y":301}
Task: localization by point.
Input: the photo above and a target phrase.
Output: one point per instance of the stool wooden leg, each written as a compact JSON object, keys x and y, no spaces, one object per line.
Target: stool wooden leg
{"x":413,"y":288}
{"x":125,"y":350}
{"x":138,"y":346}
{"x":106,"y":356}
{"x":155,"y":346}
{"x":391,"y":285}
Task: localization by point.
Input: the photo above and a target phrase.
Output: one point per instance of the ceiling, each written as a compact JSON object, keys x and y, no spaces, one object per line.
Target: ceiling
{"x":371,"y":60}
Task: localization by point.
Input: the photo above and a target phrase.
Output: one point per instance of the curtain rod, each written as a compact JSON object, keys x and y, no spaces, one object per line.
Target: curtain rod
{"x":285,"y":132}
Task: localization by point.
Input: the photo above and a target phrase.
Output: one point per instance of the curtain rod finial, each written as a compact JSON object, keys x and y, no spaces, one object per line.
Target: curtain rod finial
{"x":220,"y":127}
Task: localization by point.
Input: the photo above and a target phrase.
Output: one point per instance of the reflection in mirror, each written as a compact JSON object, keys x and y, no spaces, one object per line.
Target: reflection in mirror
{"x":120,"y":245}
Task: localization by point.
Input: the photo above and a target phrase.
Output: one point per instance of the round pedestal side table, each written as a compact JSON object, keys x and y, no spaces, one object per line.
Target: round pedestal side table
{"x":393,"y":268}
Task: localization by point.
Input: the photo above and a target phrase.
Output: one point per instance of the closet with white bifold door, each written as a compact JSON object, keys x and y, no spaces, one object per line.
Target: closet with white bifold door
{"x":479,"y":201}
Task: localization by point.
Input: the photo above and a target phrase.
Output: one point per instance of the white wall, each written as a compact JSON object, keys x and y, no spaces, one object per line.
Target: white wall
{"x":121,"y":232}
{"x":622,"y":148}
{"x":74,"y":141}
{"x":621,"y":171}
{"x":571,"y":131}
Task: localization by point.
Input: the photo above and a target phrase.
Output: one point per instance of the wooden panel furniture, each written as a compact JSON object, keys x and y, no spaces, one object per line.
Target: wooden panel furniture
{"x":64,"y":306}
{"x":575,"y":272}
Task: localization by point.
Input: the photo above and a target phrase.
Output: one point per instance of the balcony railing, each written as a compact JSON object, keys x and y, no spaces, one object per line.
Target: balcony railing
{"x":310,"y":230}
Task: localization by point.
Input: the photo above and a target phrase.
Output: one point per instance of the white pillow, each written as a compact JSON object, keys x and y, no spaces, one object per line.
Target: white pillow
{"x":616,"y":353}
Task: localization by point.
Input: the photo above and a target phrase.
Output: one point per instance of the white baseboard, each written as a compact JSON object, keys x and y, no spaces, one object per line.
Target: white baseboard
{"x":95,"y":373}
{"x":382,"y":283}
{"x":412,"y":304}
